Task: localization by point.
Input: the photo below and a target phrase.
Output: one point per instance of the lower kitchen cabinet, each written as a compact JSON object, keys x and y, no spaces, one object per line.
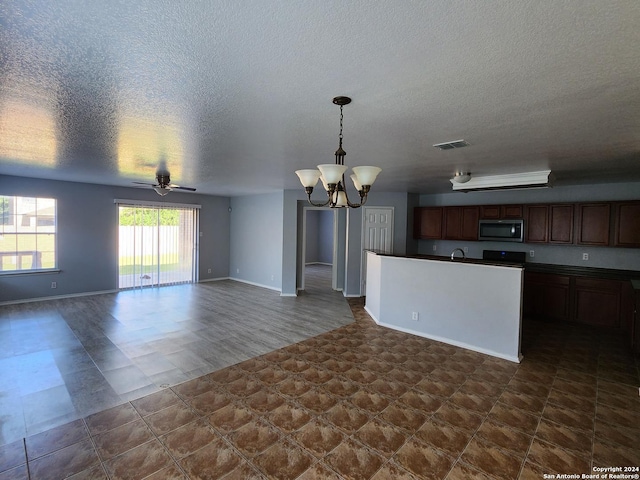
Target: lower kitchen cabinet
{"x":598,"y":301}
{"x":593,"y":301}
{"x":547,"y":296}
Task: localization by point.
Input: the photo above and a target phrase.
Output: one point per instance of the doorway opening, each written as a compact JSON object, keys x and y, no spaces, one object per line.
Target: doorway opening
{"x":156,"y":245}
{"x":318,"y":250}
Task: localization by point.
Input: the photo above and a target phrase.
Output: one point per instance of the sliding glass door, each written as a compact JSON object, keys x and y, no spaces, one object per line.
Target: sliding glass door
{"x":157,"y":245}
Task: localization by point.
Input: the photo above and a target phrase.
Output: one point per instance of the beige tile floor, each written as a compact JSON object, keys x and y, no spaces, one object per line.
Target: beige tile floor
{"x":363,"y":402}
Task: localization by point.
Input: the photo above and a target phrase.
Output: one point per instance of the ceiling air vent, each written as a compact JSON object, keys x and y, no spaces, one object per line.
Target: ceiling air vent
{"x":450,"y":145}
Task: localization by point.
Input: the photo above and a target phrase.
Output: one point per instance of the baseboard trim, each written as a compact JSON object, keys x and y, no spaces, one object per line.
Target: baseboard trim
{"x":516,"y":359}
{"x":319,"y":263}
{"x":57,"y":297}
{"x":217,"y":279}
{"x":268,"y":287}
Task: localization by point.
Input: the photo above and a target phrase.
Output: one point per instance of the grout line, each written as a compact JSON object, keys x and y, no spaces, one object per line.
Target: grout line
{"x":26,"y":457}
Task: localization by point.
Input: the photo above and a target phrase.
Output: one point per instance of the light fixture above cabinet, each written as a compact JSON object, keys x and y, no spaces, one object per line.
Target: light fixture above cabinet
{"x":538,"y":179}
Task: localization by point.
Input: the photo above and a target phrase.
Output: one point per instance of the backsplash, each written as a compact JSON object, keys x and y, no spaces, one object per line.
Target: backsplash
{"x":599,"y":257}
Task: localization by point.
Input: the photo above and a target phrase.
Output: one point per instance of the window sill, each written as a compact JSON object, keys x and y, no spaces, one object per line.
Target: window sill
{"x":16,"y":273}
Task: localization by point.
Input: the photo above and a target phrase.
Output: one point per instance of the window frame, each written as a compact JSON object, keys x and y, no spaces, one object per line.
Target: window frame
{"x":39,"y":222}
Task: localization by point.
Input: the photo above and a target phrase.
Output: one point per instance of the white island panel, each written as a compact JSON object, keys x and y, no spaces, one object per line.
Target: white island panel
{"x":470,"y":305}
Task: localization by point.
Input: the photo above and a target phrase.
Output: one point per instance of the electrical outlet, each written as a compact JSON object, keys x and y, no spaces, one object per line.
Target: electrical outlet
{"x":209,"y":271}
{"x":585,"y":256}
{"x":415,"y":316}
{"x":237,"y":270}
{"x":435,"y":247}
{"x":273,"y":277}
{"x":532,"y":253}
{"x":54,"y":285}
{"x":466,"y":249}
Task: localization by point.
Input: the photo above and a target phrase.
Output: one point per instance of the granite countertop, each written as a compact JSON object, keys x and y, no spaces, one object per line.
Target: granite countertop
{"x":442,"y":258}
{"x":615,"y":274}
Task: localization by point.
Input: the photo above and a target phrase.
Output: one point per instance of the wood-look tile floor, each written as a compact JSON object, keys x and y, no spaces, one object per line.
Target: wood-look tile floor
{"x":362,"y":401}
{"x":64,"y":359}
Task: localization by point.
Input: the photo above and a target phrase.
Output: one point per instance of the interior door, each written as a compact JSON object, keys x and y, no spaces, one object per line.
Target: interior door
{"x":377,"y":235}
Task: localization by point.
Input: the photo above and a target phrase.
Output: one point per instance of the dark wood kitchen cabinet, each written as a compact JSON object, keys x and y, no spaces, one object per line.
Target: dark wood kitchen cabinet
{"x":498,"y":212}
{"x":427,"y":222}
{"x":627,"y":224}
{"x":461,"y":223}
{"x":547,"y":296}
{"x":561,"y":223}
{"x":536,"y":224}
{"x":591,"y":300}
{"x":598,"y":301}
{"x":592,"y":223}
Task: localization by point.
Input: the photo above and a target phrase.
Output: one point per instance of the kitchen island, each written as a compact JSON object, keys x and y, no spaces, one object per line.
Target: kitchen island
{"x":472,"y":304}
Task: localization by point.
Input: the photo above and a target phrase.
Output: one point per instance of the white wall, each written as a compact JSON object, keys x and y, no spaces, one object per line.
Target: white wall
{"x":478,"y":307}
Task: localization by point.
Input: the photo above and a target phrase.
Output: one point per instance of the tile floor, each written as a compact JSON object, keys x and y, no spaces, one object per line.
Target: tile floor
{"x":64,"y":359}
{"x":364,"y":402}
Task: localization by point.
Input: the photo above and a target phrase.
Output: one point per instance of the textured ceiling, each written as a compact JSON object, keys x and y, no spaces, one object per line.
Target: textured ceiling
{"x":235,"y":96}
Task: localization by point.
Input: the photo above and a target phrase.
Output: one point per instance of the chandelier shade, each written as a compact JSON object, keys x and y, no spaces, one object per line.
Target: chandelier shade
{"x":366,"y":175}
{"x":308,"y":177}
{"x":356,"y":183}
{"x":332,"y":175}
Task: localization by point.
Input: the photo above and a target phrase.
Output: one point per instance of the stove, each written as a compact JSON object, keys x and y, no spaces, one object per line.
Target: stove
{"x":504,"y":256}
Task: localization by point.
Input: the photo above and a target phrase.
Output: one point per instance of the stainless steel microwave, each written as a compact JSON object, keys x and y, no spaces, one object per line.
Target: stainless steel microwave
{"x":501,"y":230}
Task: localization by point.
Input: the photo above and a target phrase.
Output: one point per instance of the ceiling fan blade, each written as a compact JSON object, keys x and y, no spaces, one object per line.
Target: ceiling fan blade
{"x":143,"y":183}
{"x":177,"y":187}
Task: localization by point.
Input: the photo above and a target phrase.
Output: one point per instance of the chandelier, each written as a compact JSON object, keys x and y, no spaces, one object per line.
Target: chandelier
{"x":332,"y":175}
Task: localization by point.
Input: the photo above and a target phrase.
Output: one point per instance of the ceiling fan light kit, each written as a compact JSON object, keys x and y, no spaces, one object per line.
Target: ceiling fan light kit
{"x":332,"y":175}
{"x":538,"y":179}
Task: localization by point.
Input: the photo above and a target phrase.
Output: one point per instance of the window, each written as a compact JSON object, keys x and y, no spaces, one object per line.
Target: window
{"x":27,"y":234}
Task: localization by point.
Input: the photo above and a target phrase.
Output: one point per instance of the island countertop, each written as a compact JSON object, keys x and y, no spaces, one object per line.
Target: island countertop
{"x":442,"y":258}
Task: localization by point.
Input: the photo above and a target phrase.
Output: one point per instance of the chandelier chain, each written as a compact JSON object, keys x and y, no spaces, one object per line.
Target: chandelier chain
{"x":341,"y":118}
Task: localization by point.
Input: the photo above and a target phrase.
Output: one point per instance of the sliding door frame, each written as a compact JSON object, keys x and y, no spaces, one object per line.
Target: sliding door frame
{"x":195,"y":255}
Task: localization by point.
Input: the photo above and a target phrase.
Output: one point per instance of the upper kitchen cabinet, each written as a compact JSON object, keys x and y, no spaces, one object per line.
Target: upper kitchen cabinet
{"x":461,"y":223}
{"x":427,"y":222}
{"x":561,"y":223}
{"x":592,"y":223}
{"x":549,"y":223}
{"x":536,"y":224}
{"x":497,"y":212}
{"x":627,"y":224}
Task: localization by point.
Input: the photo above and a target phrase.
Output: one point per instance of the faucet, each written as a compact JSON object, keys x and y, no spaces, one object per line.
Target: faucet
{"x":457,"y":250}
